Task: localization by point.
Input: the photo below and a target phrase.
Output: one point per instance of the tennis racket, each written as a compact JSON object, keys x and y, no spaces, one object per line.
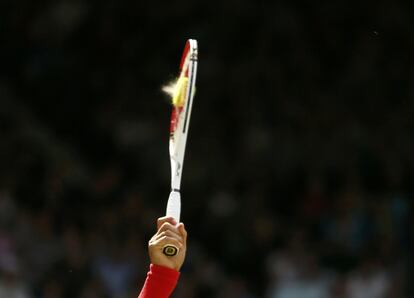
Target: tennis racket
{"x":182,"y":93}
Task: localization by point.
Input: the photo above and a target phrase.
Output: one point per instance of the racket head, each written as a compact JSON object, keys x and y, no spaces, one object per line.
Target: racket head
{"x":181,"y":111}
{"x":184,"y":93}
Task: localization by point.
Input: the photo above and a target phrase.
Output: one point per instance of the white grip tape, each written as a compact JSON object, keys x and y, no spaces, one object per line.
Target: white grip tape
{"x":174,"y":205}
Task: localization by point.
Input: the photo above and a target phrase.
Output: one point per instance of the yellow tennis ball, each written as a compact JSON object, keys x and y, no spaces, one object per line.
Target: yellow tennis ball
{"x":178,"y":98}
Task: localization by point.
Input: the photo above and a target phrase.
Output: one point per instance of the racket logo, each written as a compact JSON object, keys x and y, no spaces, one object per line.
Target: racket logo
{"x":194,"y":55}
{"x":178,"y":169}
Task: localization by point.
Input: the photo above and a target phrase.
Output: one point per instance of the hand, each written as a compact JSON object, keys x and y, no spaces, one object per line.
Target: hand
{"x":169,"y":232}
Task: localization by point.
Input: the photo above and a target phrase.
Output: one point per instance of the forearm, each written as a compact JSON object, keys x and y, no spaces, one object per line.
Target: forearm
{"x":160,"y":282}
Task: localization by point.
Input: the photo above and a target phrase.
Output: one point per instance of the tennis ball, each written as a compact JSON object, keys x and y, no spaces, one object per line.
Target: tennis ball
{"x":180,"y":88}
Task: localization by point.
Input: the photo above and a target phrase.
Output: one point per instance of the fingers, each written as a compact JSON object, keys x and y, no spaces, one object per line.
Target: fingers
{"x":161,"y":241}
{"x":167,"y":227}
{"x":162,"y":220}
{"x":183,"y":232}
{"x":170,"y":234}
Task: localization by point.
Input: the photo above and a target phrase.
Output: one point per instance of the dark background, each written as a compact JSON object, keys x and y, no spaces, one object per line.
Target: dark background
{"x":298,"y":179}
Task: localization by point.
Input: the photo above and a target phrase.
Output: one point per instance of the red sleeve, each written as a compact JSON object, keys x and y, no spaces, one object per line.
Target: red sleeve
{"x":160,"y":282}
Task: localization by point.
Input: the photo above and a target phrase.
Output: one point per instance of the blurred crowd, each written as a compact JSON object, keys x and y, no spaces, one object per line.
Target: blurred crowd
{"x":298,"y":179}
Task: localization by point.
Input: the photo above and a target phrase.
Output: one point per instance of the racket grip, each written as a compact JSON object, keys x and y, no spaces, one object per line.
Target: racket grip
{"x":173,"y":210}
{"x":174,"y":205}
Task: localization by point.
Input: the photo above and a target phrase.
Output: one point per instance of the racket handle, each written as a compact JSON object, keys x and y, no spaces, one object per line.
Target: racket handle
{"x":173,"y":210}
{"x":174,"y":205}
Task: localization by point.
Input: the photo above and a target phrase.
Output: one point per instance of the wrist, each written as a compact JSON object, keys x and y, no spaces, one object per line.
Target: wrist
{"x":163,"y":269}
{"x":166,"y":265}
